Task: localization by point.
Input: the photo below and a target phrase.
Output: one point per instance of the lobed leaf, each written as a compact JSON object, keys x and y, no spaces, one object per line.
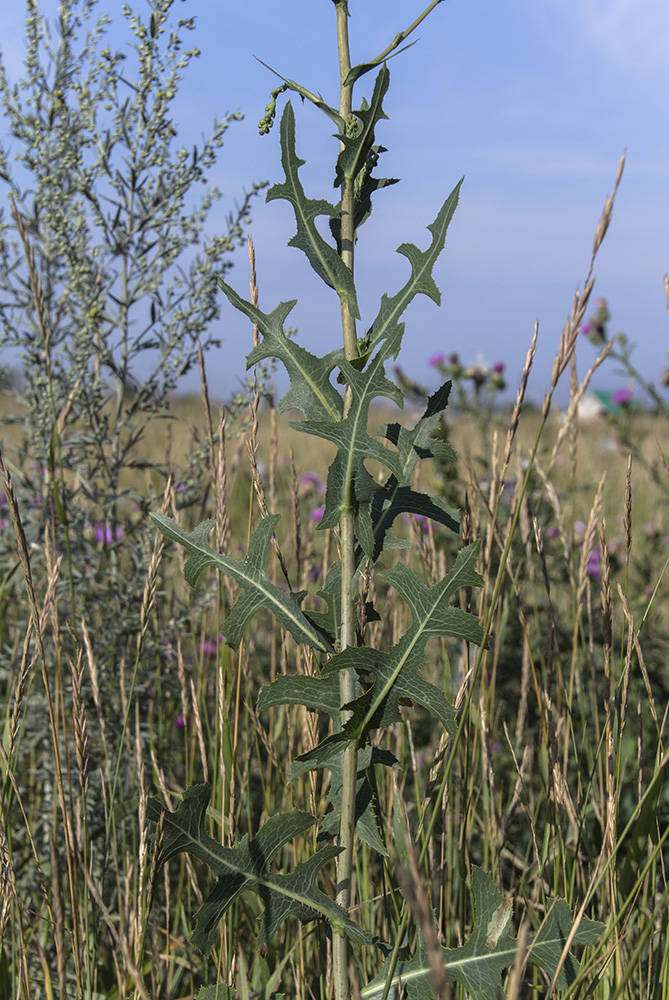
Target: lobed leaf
{"x":349,"y":484}
{"x":324,"y":259}
{"x":397,"y":497}
{"x":421,"y":280}
{"x":311,"y":391}
{"x":396,"y":672}
{"x":478,"y":965}
{"x":247,"y":867}
{"x":356,"y":149}
{"x":257,"y":591}
{"x":323,"y":694}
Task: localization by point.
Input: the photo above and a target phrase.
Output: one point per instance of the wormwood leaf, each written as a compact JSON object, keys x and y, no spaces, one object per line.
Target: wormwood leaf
{"x":257,"y":591}
{"x":349,"y":484}
{"x":248,"y":867}
{"x":311,"y":391}
{"x":421,"y":280}
{"x":324,"y":259}
{"x":478,"y":964}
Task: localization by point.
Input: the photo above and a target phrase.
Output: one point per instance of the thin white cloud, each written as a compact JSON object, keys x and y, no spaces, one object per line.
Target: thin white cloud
{"x":631,"y":34}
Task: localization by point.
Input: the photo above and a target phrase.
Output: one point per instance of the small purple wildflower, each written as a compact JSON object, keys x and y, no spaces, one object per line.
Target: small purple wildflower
{"x":553,"y":532}
{"x":499,"y":367}
{"x":436,"y":360}
{"x":316,"y":515}
{"x":621,"y":397}
{"x":310,"y":479}
{"x":180,"y":723}
{"x":104,"y":535}
{"x":586,"y":329}
{"x":594,"y":565}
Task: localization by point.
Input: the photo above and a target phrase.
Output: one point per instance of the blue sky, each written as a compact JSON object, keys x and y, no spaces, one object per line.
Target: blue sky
{"x":533,"y":101}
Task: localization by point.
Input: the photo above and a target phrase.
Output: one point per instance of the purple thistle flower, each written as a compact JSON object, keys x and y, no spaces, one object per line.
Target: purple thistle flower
{"x":104,"y":535}
{"x":621,"y":397}
{"x":436,"y":360}
{"x":594,"y":565}
{"x":316,"y":515}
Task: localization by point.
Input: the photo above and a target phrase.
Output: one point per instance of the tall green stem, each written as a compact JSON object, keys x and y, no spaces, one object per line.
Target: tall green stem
{"x":347,"y":536}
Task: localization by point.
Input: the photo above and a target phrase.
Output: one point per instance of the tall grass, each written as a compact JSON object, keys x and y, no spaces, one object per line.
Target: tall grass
{"x":117,"y":688}
{"x":554,"y":784}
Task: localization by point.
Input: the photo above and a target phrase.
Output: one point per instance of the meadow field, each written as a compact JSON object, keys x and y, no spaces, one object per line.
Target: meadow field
{"x":358,"y":692}
{"x":555,"y":786}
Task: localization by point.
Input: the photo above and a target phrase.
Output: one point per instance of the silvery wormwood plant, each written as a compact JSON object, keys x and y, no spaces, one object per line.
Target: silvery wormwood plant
{"x":359,"y":688}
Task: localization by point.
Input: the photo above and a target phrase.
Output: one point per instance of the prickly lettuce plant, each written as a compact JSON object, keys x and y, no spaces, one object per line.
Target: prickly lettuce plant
{"x":360,"y":689}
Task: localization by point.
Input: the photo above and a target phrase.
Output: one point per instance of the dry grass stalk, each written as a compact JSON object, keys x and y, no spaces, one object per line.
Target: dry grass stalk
{"x":130,"y":967}
{"x":199,"y":730}
{"x":95,"y":688}
{"x":25,"y":670}
{"x":8,"y":892}
{"x":633,"y":640}
{"x":8,"y":868}
{"x":183,"y":684}
{"x":207,"y":412}
{"x":36,"y":616}
{"x":519,"y":791}
{"x":80,"y":721}
{"x":488,"y":773}
{"x":607,"y":212}
{"x":575,"y":400}
{"x":570,"y":331}
{"x":517,"y":409}
{"x":627,"y":515}
{"x":222,"y":513}
{"x":58,"y":914}
{"x":297,"y":519}
{"x":138,"y":912}
{"x":262,"y":503}
{"x":416,"y":894}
